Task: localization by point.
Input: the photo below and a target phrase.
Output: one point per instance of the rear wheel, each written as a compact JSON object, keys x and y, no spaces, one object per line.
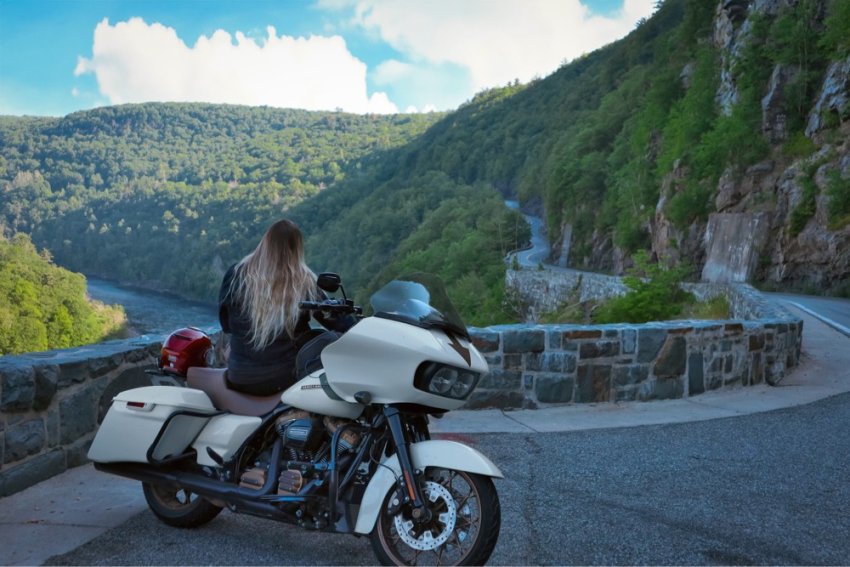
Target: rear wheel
{"x":178,"y":507}
{"x":464,"y":525}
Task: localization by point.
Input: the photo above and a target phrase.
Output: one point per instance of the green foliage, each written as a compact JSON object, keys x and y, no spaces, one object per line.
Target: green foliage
{"x":690,"y":204}
{"x":464,"y":241}
{"x":836,"y":37}
{"x":45,"y":306}
{"x":798,"y":145}
{"x":838,"y":190}
{"x":655,"y":294}
{"x":807,"y":206}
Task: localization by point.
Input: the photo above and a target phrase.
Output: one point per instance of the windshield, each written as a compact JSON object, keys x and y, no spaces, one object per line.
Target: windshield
{"x":418,"y":299}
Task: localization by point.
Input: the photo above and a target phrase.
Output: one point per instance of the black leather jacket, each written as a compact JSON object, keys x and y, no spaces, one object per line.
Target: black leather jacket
{"x":271,"y":369}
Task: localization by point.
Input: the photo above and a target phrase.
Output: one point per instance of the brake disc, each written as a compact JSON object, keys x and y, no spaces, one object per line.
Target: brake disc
{"x":443,"y":523}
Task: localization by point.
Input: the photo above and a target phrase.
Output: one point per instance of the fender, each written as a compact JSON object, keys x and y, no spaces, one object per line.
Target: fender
{"x":445,"y":454}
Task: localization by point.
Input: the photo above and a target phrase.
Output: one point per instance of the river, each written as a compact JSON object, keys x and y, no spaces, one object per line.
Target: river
{"x":152,"y":313}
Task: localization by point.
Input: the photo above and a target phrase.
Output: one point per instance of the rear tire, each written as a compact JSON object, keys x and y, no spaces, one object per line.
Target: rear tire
{"x":464,"y":529}
{"x":178,"y":507}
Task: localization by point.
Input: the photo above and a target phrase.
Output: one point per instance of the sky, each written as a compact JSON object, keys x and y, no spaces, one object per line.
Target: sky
{"x":361,"y":56}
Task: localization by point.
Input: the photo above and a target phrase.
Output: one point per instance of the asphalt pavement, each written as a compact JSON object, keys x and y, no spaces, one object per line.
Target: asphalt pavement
{"x":755,"y":475}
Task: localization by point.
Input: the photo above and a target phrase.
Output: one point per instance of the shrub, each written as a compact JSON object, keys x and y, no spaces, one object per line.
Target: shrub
{"x":655,"y":294}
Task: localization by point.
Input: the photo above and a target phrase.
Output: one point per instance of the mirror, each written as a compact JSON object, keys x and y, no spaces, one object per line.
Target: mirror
{"x":329,"y":282}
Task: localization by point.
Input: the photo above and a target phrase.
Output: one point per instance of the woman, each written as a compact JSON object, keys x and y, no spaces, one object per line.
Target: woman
{"x":258,"y":306}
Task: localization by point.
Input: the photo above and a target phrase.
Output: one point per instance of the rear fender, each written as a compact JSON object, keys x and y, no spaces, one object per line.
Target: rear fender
{"x":443,"y":454}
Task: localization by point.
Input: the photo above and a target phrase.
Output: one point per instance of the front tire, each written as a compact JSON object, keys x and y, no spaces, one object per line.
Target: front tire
{"x":178,"y":507}
{"x":466,"y":518}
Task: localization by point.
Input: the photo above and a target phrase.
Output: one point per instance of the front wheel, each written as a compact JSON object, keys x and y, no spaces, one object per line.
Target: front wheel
{"x":178,"y":507}
{"x":463,"y":529}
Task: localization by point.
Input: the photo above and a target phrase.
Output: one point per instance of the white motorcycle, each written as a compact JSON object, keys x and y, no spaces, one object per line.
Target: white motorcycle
{"x":346,"y":449}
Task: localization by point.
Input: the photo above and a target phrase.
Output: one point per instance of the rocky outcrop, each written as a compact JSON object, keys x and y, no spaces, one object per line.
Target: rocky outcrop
{"x":734,"y":242}
{"x":834,"y":97}
{"x":774,"y":119}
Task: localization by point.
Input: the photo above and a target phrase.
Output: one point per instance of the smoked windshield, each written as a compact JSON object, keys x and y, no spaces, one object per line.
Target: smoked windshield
{"x":418,"y":299}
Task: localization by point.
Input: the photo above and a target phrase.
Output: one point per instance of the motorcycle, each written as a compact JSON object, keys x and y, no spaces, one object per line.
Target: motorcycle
{"x":346,"y":449}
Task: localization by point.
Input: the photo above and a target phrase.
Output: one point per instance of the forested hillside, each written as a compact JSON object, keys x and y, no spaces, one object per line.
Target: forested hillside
{"x":715,"y":124}
{"x":168,"y":195}
{"x":709,"y":108}
{"x":44,"y":306}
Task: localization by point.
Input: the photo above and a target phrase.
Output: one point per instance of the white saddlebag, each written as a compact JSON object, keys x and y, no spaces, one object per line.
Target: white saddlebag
{"x":151,"y":424}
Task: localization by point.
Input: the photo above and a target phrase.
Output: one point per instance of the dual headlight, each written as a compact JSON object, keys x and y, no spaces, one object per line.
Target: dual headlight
{"x":446,"y":381}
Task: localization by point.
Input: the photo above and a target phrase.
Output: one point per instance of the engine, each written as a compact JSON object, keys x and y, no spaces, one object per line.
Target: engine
{"x":306,"y":449}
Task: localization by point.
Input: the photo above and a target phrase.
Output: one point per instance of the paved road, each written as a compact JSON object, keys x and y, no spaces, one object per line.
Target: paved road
{"x":770,"y":488}
{"x":834,"y":311}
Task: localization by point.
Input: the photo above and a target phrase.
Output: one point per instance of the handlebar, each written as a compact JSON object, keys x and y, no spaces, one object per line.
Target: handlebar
{"x":332,"y":306}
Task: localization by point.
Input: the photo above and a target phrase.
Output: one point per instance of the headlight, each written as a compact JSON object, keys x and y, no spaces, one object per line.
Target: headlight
{"x":446,"y":381}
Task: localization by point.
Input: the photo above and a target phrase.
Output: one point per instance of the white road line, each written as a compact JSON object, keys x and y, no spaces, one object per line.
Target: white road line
{"x":837,"y":326}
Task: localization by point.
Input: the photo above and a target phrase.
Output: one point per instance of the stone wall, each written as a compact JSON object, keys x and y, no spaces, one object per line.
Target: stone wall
{"x":538,"y":365}
{"x":51,"y":403}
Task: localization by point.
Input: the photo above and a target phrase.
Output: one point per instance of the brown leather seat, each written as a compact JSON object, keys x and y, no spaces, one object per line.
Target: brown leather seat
{"x":212,"y":382}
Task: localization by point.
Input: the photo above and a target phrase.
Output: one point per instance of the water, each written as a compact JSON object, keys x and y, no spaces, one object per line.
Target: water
{"x":152,"y":313}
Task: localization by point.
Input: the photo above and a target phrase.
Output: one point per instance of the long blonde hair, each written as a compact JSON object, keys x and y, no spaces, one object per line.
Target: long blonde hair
{"x":271,"y":281}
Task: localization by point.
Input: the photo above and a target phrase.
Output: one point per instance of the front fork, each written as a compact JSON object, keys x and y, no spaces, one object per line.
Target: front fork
{"x":408,"y":487}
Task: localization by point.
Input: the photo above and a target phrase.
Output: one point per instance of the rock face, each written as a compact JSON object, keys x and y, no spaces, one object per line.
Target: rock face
{"x":749,"y":236}
{"x":734,"y":241}
{"x":834,"y":96}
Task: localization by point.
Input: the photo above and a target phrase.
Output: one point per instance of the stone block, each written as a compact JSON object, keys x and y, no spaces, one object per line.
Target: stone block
{"x":649,"y":343}
{"x":757,"y":374}
{"x":594,"y":383}
{"x":662,"y":389}
{"x":696,"y":374}
{"x":46,"y":382}
{"x":583,"y":334}
{"x":628,"y":394}
{"x":513,"y":362}
{"x":30,"y":472}
{"x":73,"y":372}
{"x":486,"y":341}
{"x":562,"y":362}
{"x":733,"y":328}
{"x":629,"y":341}
{"x":554,"y":388}
{"x":629,"y":375}
{"x":524,"y":340}
{"x":501,"y":380}
{"x":78,"y":414}
{"x":713,"y":381}
{"x":76,"y":454}
{"x":53,"y":427}
{"x":17,"y":387}
{"x":611,"y":334}
{"x":601,"y":349}
{"x":104,"y":364}
{"x":24,"y":439}
{"x":756,"y":341}
{"x":671,"y":359}
{"x":555,"y":340}
{"x":480,"y":399}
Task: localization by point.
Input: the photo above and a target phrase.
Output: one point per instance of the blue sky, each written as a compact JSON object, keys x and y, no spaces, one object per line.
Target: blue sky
{"x":60,"y":56}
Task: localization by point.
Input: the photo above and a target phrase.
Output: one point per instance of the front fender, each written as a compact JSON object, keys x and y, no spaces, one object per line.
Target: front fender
{"x":443,"y":454}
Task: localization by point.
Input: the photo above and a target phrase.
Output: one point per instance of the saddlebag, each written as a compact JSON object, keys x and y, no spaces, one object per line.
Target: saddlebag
{"x":154,"y":425}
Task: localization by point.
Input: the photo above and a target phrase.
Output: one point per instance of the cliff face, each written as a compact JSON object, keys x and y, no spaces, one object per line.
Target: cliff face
{"x":774,"y":220}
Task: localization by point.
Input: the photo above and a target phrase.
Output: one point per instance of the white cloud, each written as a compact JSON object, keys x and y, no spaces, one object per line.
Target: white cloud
{"x":137,"y":62}
{"x":496,"y":40}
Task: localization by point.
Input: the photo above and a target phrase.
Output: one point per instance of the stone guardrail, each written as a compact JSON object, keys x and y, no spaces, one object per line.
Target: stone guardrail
{"x":534,"y":366}
{"x":51,"y":402}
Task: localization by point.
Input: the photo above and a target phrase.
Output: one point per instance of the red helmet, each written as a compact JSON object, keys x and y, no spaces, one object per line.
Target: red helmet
{"x":183,"y":349}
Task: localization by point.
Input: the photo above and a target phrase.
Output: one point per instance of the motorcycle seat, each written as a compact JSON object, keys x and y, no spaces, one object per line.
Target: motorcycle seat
{"x":212,"y":382}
